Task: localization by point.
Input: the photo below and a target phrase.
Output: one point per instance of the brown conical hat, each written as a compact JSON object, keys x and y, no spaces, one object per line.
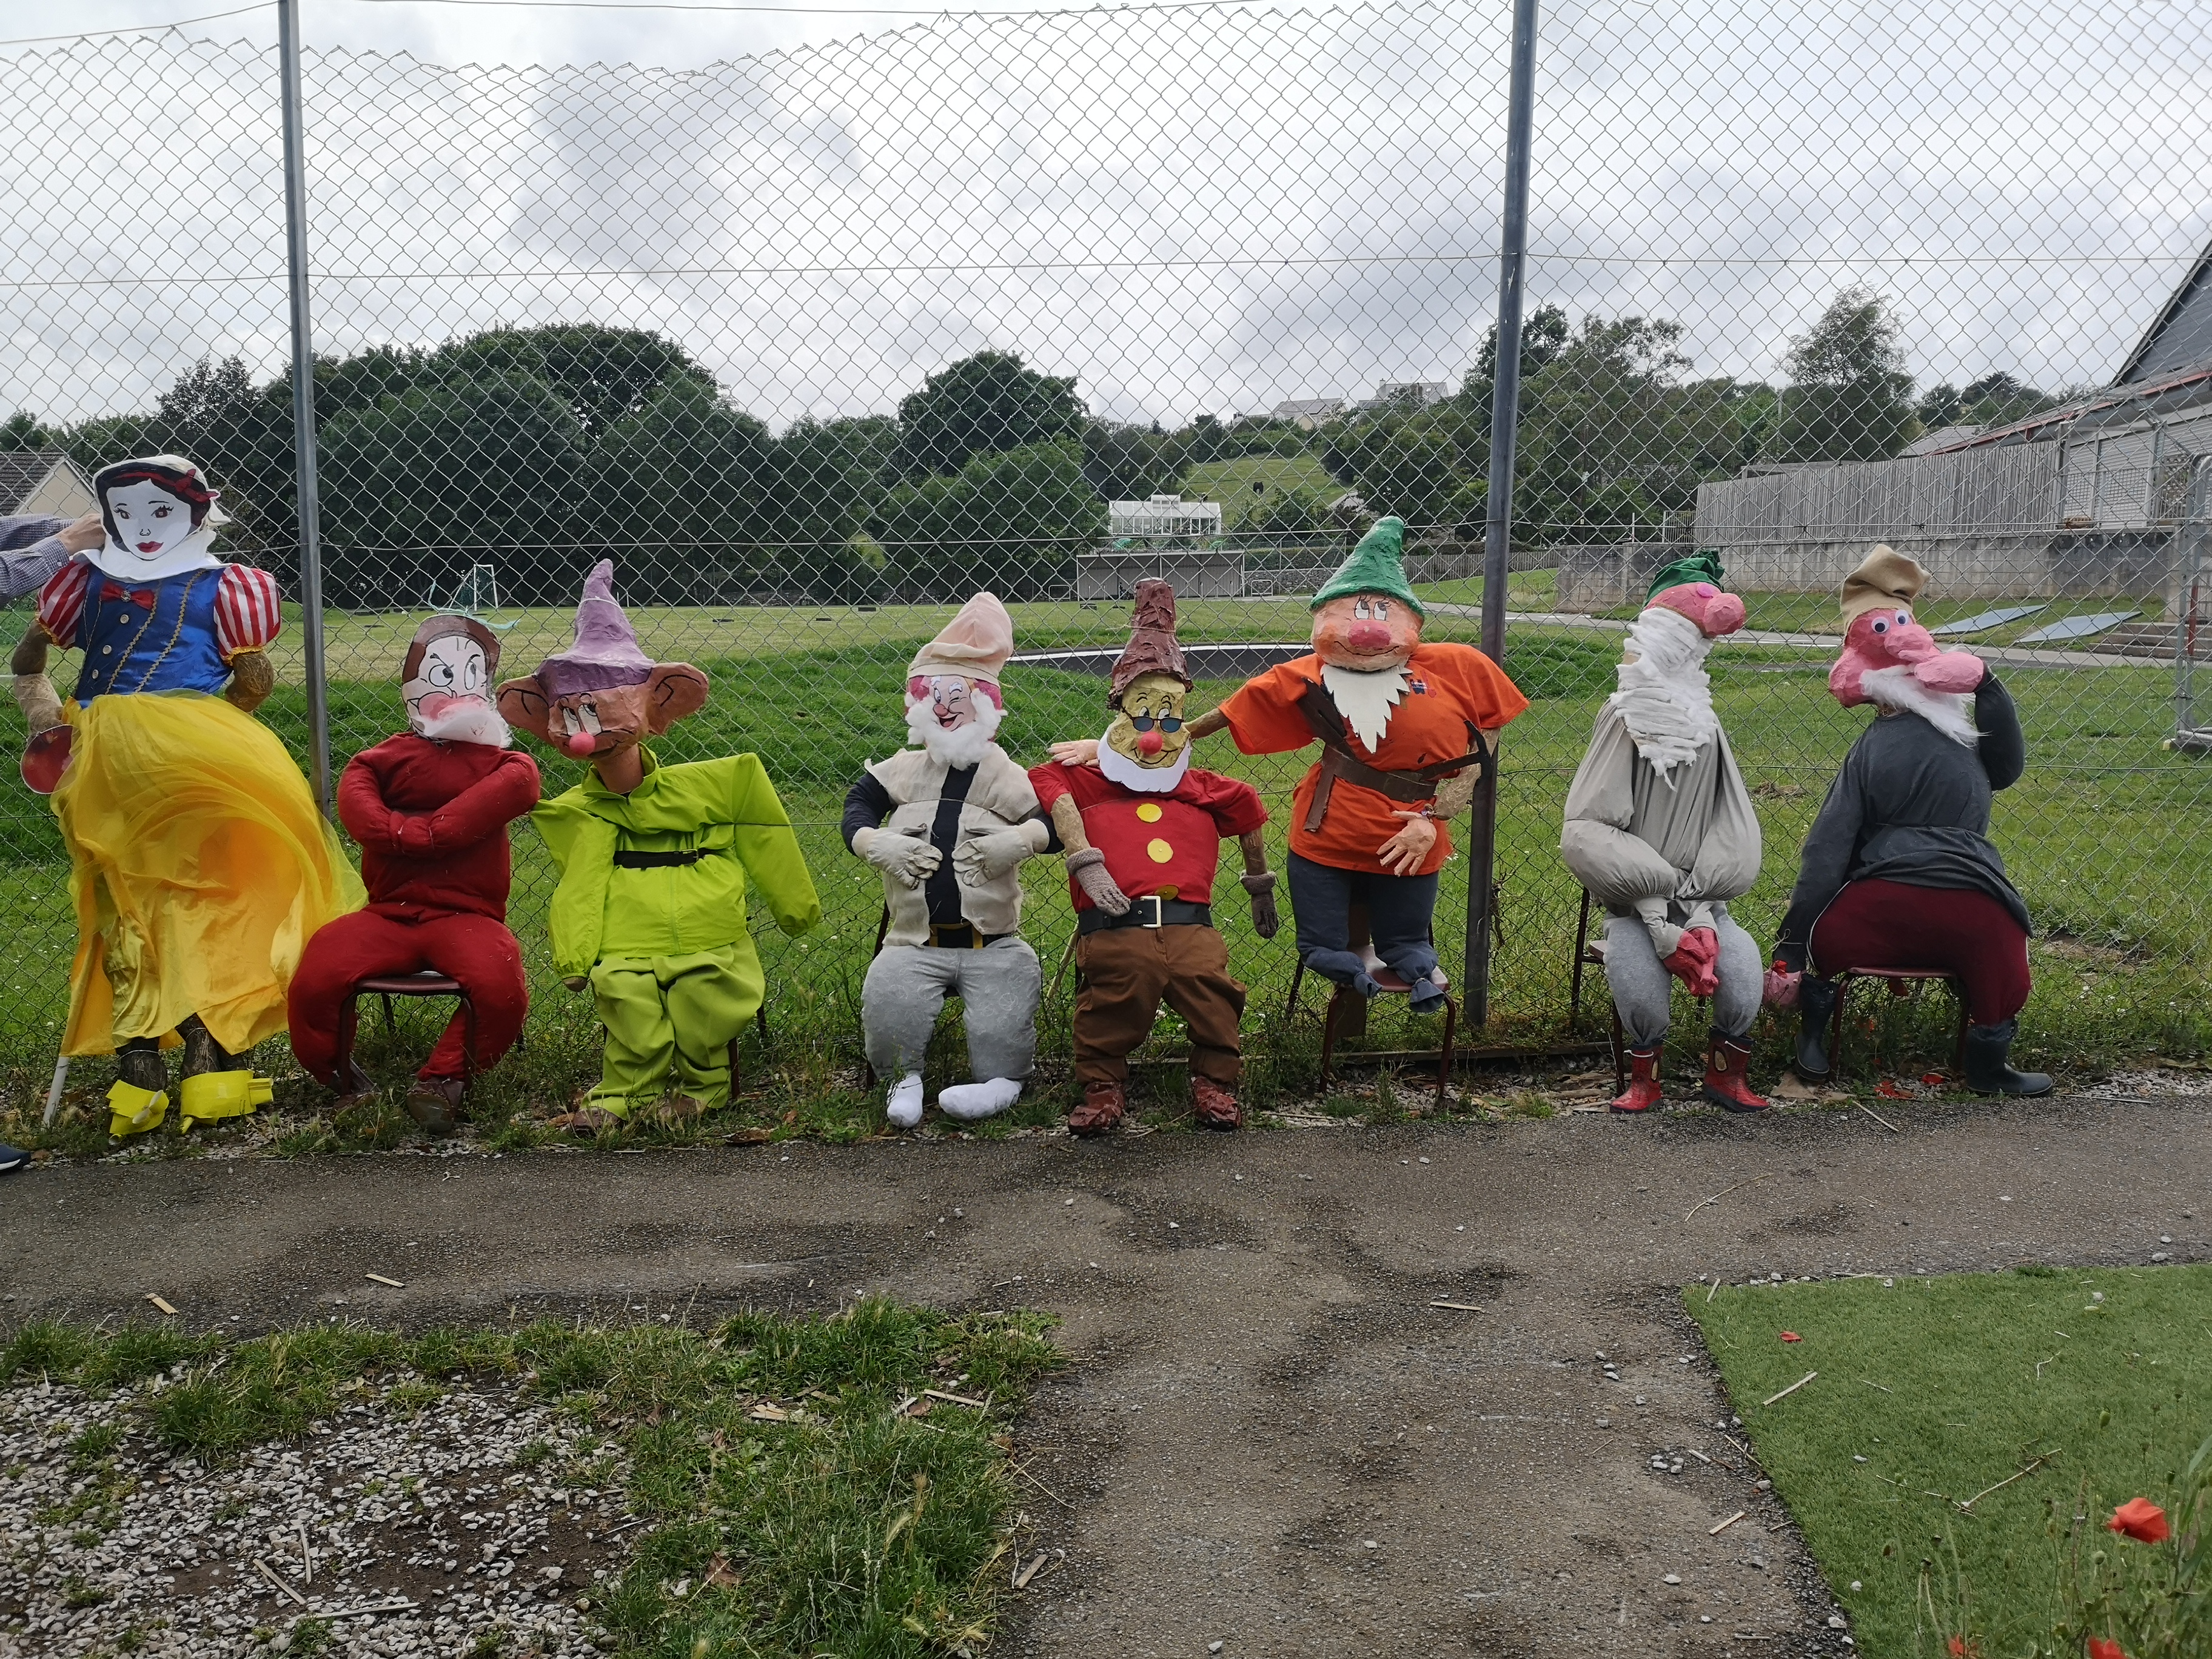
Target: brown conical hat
{"x":1153,"y":648}
{"x":1885,"y":578}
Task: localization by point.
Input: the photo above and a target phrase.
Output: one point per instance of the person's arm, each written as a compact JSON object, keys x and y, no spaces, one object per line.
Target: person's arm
{"x":361,"y":809}
{"x":1617,"y":867}
{"x":867,"y":804}
{"x":1729,"y":857}
{"x":1085,"y":862}
{"x":249,"y":615}
{"x":1826,"y":864}
{"x":2003,"y":747}
{"x":764,"y":841}
{"x":34,"y":546}
{"x":480,"y":811}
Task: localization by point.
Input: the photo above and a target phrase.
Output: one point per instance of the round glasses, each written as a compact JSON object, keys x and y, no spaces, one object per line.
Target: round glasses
{"x":1168,"y":723}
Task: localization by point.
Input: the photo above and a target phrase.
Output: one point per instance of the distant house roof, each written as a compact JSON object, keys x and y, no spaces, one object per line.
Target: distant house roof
{"x":43,"y":481}
{"x":1941,"y":437}
{"x":2180,"y":336}
{"x":1307,"y":408}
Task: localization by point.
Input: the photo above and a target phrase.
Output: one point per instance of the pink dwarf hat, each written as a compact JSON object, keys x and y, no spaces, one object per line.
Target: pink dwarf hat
{"x":606,"y":653}
{"x":973,"y":645}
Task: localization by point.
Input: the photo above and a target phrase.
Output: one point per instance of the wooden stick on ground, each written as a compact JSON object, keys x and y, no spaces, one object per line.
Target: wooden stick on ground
{"x":2006,"y":1481}
{"x":1723,"y":1194}
{"x":1880,"y":1119}
{"x":283,"y":1589}
{"x":1792,"y":1388}
{"x":1715,"y":1532}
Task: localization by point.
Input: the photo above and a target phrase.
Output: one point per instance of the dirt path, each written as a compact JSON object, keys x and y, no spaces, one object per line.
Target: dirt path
{"x":1270,"y":1438}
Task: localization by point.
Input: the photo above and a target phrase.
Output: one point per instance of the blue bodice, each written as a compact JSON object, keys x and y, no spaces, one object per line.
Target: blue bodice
{"x":155,"y":637}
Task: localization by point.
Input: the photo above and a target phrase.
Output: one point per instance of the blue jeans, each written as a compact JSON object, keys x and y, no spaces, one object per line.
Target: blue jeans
{"x":1400,"y":910}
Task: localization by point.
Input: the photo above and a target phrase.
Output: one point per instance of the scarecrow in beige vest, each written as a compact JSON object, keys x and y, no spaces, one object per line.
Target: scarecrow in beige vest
{"x":949,"y":822}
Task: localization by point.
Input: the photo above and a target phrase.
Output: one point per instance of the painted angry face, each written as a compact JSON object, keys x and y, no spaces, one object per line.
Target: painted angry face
{"x":1366,"y":632}
{"x":449,"y":695}
{"x":1148,"y":730}
{"x":145,"y":520}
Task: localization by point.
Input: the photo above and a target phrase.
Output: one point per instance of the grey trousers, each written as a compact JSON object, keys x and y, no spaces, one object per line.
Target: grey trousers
{"x":1641,"y":987}
{"x":998,"y":986}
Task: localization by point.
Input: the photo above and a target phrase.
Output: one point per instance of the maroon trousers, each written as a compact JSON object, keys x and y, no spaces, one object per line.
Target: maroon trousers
{"x":479,"y":952}
{"x":1887,"y":924}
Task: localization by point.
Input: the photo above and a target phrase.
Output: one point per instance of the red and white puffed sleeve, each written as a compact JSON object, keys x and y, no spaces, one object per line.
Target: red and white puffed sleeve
{"x":246,"y":612}
{"x":61,"y":602}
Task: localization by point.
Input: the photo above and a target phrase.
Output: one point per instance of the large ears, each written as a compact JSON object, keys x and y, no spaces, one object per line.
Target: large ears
{"x":523,"y":703}
{"x":674,"y":690}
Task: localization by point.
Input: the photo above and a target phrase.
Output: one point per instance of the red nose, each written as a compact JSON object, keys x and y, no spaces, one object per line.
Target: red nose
{"x":579,"y":743}
{"x":1367,"y":636}
{"x":1150,"y":743}
{"x":1724,"y":615}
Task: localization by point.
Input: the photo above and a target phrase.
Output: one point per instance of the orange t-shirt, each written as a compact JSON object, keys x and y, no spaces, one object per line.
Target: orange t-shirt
{"x":1453,"y":687}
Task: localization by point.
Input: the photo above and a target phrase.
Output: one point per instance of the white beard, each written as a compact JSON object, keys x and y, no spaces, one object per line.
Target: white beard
{"x":963,"y":746}
{"x":195,"y":552}
{"x":1145,"y":779}
{"x":1366,"y":697}
{"x":1950,"y":713}
{"x":1666,"y":697}
{"x":474,"y":722}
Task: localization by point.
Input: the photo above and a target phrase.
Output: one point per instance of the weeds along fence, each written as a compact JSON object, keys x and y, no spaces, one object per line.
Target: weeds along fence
{"x":815,"y":343}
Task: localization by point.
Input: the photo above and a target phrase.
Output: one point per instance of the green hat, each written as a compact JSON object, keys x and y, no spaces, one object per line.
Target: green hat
{"x":1702,"y":565}
{"x":1377,"y":565}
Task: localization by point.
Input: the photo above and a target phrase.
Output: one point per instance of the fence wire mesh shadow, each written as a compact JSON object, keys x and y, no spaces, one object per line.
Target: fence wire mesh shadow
{"x":813,"y":344}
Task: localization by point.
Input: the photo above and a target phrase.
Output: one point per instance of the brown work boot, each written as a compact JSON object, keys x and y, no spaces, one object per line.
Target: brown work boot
{"x":1102,"y":1108}
{"x":203,"y":1053}
{"x":355,"y":1088}
{"x":435,"y":1103}
{"x":1216,"y":1103}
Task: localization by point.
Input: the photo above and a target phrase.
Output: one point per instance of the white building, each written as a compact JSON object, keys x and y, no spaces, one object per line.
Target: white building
{"x":1164,"y":521}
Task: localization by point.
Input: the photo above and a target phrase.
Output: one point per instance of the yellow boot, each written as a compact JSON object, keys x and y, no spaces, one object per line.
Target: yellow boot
{"x":213,"y":1095}
{"x":132,"y":1110}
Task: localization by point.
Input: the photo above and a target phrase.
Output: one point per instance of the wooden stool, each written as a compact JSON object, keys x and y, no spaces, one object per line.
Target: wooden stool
{"x":1347,"y":1010}
{"x":1900,"y":981}
{"x":428,"y":983}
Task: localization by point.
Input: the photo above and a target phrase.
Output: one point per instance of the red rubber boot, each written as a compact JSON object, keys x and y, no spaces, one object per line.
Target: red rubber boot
{"x":1728,"y":1075}
{"x":1642,"y":1092}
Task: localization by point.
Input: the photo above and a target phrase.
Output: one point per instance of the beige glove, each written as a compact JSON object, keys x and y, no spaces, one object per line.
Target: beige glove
{"x":981,"y":858}
{"x":907,"y":860}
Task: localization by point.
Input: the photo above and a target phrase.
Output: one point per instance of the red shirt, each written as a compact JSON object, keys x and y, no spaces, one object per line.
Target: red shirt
{"x":1453,"y":687}
{"x":431,"y":819}
{"x":1165,"y":844}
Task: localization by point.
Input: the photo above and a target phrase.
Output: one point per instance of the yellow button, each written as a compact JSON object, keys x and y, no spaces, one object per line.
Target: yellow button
{"x":1149,"y":812}
{"x":1169,"y":891}
{"x":1159,"y":851}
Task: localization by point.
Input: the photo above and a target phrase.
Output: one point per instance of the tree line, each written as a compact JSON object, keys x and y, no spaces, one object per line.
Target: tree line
{"x":539,"y":451}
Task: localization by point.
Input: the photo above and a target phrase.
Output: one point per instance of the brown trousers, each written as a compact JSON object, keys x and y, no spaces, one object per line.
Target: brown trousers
{"x":1127,"y":972}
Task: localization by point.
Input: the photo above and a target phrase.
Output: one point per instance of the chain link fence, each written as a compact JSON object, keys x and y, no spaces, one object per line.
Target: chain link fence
{"x":815,"y":343}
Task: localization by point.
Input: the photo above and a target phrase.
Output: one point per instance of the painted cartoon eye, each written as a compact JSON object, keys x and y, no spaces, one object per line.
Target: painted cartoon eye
{"x":577,"y":718}
{"x":1359,"y":609}
{"x":1381,"y":610}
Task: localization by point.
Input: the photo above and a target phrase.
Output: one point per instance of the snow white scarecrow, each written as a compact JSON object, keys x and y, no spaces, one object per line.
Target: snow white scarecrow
{"x":1406,"y":729}
{"x":1142,"y":829}
{"x":1661,"y":830}
{"x":1898,"y":871}
{"x":429,"y":808}
{"x":949,"y":823}
{"x":199,"y":863}
{"x":650,"y":911}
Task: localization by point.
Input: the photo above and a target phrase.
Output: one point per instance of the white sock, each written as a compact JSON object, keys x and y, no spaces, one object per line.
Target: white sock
{"x":904,"y":1106}
{"x":969,"y":1101}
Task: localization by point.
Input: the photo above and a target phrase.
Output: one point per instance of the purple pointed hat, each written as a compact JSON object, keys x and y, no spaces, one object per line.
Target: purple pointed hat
{"x":606,"y":653}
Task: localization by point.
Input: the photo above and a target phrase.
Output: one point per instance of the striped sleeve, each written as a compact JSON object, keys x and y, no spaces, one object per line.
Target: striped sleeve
{"x":246,"y":616}
{"x":61,"y":602}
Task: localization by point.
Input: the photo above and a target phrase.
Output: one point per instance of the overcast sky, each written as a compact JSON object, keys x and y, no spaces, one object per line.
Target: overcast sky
{"x":1189,"y":209}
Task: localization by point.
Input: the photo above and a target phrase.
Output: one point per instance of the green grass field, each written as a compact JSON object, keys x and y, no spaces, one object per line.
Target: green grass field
{"x":1230,"y":482}
{"x":1932,"y":1391}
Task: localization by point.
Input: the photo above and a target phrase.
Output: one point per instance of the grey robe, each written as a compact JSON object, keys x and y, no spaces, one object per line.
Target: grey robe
{"x":1667,"y":851}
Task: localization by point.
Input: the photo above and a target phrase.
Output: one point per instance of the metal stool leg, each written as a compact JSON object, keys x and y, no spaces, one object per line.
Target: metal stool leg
{"x":1619,"y":1053}
{"x":349,"y":1016}
{"x":1836,"y":1025}
{"x":1575,"y":982}
{"x":1297,"y":977}
{"x":1450,"y":1049}
{"x":1328,"y":1033}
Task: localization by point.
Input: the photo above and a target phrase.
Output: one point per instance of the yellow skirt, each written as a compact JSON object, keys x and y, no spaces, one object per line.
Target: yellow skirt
{"x":199,"y":866}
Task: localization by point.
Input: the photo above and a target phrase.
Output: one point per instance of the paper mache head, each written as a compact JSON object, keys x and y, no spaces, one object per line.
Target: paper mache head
{"x":160,"y":516}
{"x":1365,"y":617}
{"x":1147,"y":748}
{"x":1691,"y":587}
{"x":603,"y":694}
{"x":1888,"y":658}
{"x":446,"y":682}
{"x":953,"y":703}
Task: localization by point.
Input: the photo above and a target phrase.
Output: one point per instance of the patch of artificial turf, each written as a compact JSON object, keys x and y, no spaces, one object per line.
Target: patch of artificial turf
{"x":830,"y":1521}
{"x":1930,"y":1392}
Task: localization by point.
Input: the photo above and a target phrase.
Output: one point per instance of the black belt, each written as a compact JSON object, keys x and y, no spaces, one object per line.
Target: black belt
{"x":961,"y":936}
{"x":662,"y":860}
{"x":1150,"y":911}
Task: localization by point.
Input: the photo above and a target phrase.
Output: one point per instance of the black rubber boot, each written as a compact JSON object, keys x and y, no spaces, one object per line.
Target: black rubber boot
{"x":139,"y":1063}
{"x":1816,"y":1007}
{"x":1987,"y":1072}
{"x":203,"y":1052}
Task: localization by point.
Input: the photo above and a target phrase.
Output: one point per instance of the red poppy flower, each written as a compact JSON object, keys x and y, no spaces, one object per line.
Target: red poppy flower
{"x":2142,"y":1520}
{"x":1791,"y":1336}
{"x":1889,"y":1090}
{"x":1933,"y":1080}
{"x":1964,"y":1647}
{"x":2102,"y":1648}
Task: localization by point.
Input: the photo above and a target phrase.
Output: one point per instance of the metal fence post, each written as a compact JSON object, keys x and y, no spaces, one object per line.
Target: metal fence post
{"x":303,"y":398}
{"x":1498,"y":530}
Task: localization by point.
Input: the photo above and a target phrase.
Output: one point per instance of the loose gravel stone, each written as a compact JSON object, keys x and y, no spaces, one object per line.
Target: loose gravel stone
{"x":429,"y":1525}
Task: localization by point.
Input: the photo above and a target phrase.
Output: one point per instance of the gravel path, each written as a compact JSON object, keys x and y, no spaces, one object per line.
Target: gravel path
{"x":407,"y":1525}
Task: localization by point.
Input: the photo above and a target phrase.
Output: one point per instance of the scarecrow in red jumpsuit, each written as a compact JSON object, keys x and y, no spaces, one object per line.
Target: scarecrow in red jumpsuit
{"x":430,"y":808}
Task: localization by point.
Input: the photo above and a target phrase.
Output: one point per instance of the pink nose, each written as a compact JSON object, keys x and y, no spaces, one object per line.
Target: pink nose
{"x":1150,"y":743}
{"x":1912,"y":643}
{"x":579,"y":743}
{"x":1724,"y":615}
{"x":1365,"y":637}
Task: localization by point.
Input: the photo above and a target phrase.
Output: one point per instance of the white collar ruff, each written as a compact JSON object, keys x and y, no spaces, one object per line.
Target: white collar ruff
{"x":195,"y":552}
{"x":1145,"y":779}
{"x":1666,"y":697}
{"x":1366,"y":697}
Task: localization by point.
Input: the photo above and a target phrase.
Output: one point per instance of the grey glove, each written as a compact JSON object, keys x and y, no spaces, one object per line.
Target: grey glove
{"x":1089,"y":869}
{"x":1260,"y":884}
{"x":907,"y":860}
{"x":981,"y":858}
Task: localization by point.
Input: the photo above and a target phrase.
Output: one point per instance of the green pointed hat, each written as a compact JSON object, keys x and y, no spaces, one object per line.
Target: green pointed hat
{"x":1377,"y":565}
{"x":1702,"y":565}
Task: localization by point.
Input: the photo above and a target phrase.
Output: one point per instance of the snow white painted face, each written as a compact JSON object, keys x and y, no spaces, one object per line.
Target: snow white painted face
{"x":1148,"y":728}
{"x":145,"y":520}
{"x":1366,"y":632}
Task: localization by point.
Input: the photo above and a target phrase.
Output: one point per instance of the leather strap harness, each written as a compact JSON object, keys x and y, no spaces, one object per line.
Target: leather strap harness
{"x":1413,"y":786}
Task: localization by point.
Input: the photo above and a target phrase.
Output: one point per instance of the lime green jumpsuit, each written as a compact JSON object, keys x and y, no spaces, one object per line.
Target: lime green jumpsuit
{"x":651,"y":906}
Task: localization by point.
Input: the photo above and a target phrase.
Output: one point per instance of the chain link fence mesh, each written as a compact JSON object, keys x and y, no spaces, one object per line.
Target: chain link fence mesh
{"x":815,"y":343}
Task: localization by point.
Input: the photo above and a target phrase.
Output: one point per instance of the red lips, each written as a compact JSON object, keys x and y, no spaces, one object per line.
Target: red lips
{"x":150,"y":547}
